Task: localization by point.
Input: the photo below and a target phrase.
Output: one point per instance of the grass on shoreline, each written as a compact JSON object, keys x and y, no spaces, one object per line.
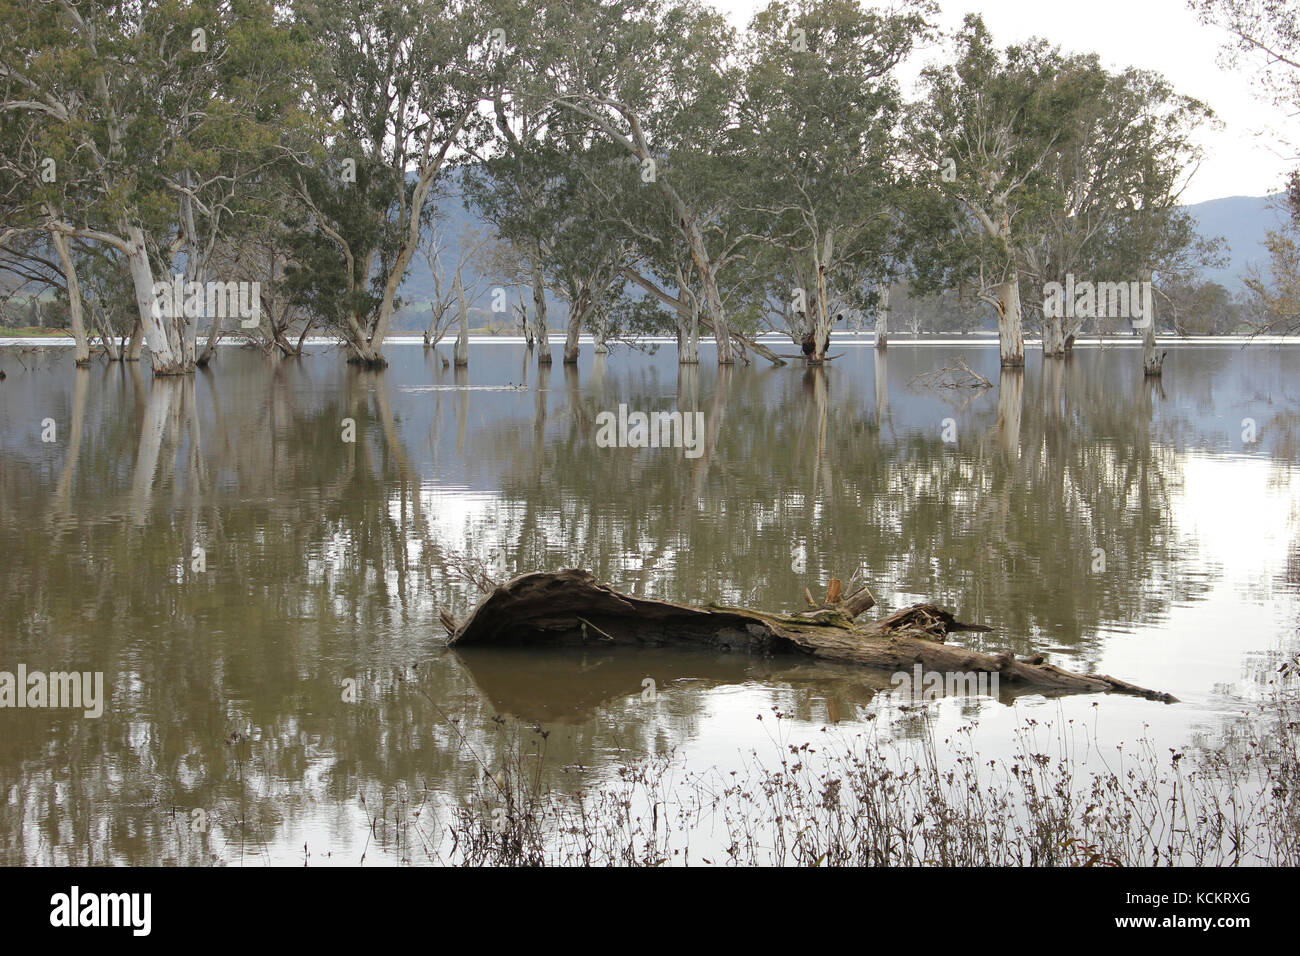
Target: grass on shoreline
{"x":32,"y":332}
{"x":865,"y":798}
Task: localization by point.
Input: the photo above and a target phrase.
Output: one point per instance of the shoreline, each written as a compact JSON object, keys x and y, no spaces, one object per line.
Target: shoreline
{"x":864,"y":340}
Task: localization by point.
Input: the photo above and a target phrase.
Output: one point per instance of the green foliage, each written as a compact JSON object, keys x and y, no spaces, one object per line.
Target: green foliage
{"x":597,"y":137}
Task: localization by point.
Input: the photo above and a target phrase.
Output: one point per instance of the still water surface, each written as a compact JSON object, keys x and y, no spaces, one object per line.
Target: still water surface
{"x":1138,"y":530}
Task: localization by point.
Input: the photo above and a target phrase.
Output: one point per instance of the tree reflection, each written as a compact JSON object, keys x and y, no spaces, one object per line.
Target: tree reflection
{"x":328,"y":560}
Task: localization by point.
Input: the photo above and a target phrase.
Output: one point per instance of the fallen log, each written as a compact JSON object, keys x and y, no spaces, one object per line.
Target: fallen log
{"x":571,"y":608}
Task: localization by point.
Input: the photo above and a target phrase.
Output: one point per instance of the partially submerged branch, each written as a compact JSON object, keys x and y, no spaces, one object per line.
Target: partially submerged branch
{"x":957,"y":375}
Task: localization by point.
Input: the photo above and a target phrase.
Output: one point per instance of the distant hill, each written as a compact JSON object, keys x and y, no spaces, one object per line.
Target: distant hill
{"x":1242,"y":221}
{"x":455,"y":222}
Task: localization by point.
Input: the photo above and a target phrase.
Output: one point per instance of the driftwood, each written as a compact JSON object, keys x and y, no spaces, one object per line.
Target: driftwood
{"x":957,"y":375}
{"x":570,"y":608}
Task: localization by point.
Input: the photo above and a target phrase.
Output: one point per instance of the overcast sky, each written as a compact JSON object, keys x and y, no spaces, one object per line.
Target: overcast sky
{"x":1246,"y":157}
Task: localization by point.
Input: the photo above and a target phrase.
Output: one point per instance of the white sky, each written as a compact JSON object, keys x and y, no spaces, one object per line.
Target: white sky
{"x":1247,"y":157}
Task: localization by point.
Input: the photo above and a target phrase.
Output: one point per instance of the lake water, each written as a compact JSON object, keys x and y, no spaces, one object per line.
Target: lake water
{"x":262,"y":596}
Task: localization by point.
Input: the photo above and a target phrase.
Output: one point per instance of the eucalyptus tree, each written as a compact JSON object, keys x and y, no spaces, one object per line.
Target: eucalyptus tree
{"x":510,"y":180}
{"x":561,"y":220}
{"x":447,"y":259}
{"x":818,"y":118}
{"x":509,"y":192}
{"x":518,"y":188}
{"x":659,"y":80}
{"x":1111,"y":214}
{"x":1150,"y":239}
{"x":145,"y":120}
{"x":400,"y":82}
{"x":264,"y":254}
{"x":661,"y":267}
{"x":588,"y":250}
{"x":987,"y":126}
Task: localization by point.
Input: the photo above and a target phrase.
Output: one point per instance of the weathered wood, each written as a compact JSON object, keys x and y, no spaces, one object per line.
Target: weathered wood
{"x":570,"y":607}
{"x":834,"y":591}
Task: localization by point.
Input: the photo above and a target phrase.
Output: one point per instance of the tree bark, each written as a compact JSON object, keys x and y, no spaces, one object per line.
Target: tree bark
{"x":823,"y":320}
{"x":134,"y":343}
{"x":525,"y":321}
{"x":688,"y":336}
{"x":712,"y":298}
{"x":539,"y":311}
{"x":882,"y":318}
{"x":462,"y":339}
{"x":1153,"y":365}
{"x":1010,"y":338}
{"x":75,"y":313}
{"x":210,"y":346}
{"x":577,"y":312}
{"x":161,"y":333}
{"x":111,"y":345}
{"x":1053,"y":336}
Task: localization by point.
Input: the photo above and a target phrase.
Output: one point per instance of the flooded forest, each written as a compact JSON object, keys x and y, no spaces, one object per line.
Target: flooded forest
{"x":639,"y":433}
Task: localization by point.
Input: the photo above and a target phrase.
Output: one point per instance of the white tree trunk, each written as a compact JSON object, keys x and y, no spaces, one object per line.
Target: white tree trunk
{"x":1053,"y":336}
{"x":462,"y":339}
{"x":882,"y":318}
{"x":524,"y":321}
{"x":75,"y":313}
{"x":1153,"y":362}
{"x":1011,"y":339}
{"x":134,"y":346}
{"x":712,"y":298}
{"x":577,"y":312}
{"x":539,"y":311}
{"x":823,"y":320}
{"x":688,"y":336}
{"x":101,"y":325}
{"x":161,"y":333}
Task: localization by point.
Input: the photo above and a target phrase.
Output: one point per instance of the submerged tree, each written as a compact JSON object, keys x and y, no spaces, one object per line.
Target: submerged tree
{"x":667,"y":105}
{"x":818,"y":114}
{"x":143,"y":124}
{"x":987,"y":126}
{"x":1111,"y":212}
{"x":400,"y":84}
